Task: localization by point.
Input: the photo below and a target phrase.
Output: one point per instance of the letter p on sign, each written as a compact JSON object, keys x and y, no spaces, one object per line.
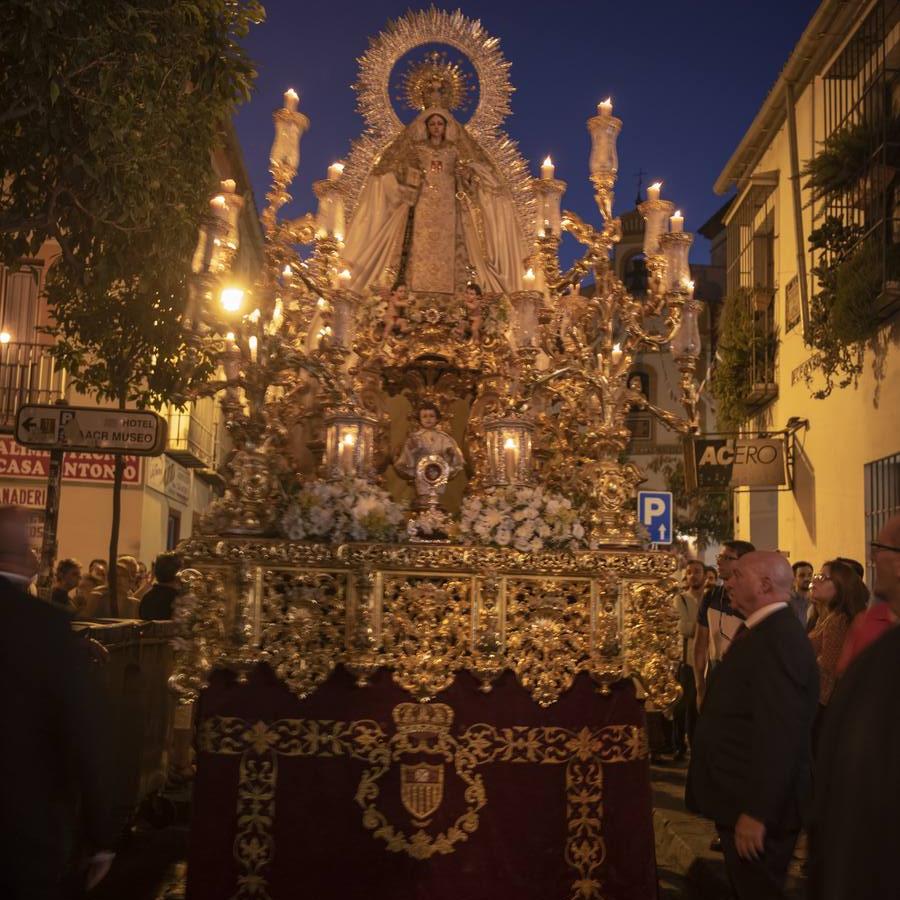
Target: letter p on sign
{"x":655,"y":514}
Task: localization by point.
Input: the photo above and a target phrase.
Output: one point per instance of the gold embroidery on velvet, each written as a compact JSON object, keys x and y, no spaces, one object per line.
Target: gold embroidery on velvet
{"x":421,"y":730}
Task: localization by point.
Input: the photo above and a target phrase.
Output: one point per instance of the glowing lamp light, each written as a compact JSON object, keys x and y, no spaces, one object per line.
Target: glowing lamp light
{"x":232,"y":298}
{"x":349,"y":440}
{"x":286,"y":272}
{"x":5,"y":337}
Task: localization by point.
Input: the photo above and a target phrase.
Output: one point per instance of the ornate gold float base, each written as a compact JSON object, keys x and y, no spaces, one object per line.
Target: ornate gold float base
{"x":427,"y":612}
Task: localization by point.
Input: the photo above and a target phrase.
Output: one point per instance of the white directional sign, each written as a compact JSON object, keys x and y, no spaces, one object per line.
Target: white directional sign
{"x":655,"y":514}
{"x":91,"y":429}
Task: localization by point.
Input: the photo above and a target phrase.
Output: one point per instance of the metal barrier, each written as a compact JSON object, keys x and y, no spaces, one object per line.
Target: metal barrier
{"x":138,"y":705}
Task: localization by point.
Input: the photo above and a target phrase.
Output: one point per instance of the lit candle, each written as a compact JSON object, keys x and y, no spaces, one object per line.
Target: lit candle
{"x":677,"y":222}
{"x":344,"y":279}
{"x":528,"y":279}
{"x":219,"y":208}
{"x":653,"y":190}
{"x":348,"y":444}
{"x":510,"y":459}
{"x":605,"y":107}
{"x":689,"y":287}
{"x":547,"y":169}
{"x":291,"y":99}
{"x":254,"y":346}
{"x":616,"y":354}
{"x":335,"y":170}
{"x":228,"y":186}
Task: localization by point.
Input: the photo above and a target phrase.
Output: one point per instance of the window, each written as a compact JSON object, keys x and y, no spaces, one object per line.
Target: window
{"x":882,"y":498}
{"x":792,"y":304}
{"x":173,"y":529}
{"x":19,"y":304}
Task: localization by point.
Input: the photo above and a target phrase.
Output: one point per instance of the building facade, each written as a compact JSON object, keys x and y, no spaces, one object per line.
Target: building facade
{"x":161,"y":496}
{"x":822,"y":152}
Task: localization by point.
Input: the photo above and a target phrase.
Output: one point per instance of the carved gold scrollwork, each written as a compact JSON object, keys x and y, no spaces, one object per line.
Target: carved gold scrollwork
{"x":548,"y":633}
{"x":653,"y":647}
{"x":302,"y":624}
{"x":425,"y":632}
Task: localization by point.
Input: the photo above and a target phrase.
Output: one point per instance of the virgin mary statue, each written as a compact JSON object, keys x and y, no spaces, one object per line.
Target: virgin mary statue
{"x":438,"y":213}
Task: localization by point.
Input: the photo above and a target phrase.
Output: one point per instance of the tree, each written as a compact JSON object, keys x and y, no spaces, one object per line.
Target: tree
{"x":111,"y":114}
{"x":705,"y":515}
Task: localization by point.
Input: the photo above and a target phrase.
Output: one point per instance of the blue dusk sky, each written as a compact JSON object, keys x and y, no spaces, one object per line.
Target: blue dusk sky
{"x":685,"y":77}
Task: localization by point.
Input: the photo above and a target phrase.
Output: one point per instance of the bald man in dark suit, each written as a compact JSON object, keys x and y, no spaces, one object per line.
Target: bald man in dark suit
{"x":750,"y":760}
{"x":52,"y":745}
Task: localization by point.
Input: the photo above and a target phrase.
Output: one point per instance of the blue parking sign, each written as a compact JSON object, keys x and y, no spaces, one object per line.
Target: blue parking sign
{"x":655,"y":514}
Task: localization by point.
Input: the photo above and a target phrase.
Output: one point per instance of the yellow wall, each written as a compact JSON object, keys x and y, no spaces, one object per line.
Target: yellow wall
{"x":824,"y":515}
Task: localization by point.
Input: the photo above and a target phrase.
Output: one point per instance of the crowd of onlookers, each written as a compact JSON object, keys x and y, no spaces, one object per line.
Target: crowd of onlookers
{"x":140,"y":594}
{"x":777,"y":670}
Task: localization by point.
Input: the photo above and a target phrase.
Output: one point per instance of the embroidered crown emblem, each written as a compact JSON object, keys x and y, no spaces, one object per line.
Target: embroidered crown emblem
{"x":423,"y":718}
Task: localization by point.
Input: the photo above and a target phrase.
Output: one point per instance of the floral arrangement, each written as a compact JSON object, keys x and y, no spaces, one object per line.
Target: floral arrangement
{"x":431,"y":525}
{"x":529,"y":519}
{"x":350,"y":509}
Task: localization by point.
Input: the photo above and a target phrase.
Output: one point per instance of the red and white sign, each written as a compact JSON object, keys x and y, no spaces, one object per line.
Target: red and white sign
{"x":17,"y":461}
{"x":23,"y":495}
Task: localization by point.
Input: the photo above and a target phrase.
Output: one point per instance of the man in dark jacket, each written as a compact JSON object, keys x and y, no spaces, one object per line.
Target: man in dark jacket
{"x":855,"y":832}
{"x":52,"y":744}
{"x":750,"y":766}
{"x":159,"y":601}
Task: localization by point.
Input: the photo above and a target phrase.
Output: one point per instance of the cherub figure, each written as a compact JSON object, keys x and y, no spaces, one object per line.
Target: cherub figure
{"x":396,"y":321}
{"x":470,"y":329}
{"x":426,"y":440}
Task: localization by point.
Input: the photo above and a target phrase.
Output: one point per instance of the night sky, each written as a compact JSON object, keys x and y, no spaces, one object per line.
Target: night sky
{"x":686,"y":78}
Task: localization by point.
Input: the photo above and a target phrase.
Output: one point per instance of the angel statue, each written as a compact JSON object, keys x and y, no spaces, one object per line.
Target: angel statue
{"x":428,"y":443}
{"x":434,"y":207}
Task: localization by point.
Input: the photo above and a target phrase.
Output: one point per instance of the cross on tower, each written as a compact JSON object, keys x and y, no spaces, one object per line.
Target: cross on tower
{"x":640,"y":183}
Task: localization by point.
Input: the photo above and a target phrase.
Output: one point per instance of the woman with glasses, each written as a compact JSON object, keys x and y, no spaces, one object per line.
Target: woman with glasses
{"x":838,"y":594}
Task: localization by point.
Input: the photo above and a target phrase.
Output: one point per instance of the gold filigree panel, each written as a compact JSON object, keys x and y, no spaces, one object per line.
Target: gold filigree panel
{"x":653,"y":645}
{"x":425,"y":630}
{"x":428,"y":753}
{"x":301,"y":624}
{"x":547,"y":633}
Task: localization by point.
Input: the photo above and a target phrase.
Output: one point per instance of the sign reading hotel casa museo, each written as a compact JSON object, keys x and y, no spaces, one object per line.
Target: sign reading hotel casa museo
{"x":91,"y":429}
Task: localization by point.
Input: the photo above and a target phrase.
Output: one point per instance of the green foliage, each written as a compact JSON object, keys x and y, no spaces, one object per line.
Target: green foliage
{"x":844,"y":310}
{"x":741,"y":341}
{"x":110,"y":117}
{"x":846,"y":156}
{"x":708,"y":516}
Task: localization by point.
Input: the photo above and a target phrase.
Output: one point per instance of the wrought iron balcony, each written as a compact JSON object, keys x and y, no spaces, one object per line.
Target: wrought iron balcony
{"x":192,"y":441}
{"x":27,"y":375}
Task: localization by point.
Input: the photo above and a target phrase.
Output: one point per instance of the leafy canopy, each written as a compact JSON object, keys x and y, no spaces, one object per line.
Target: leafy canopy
{"x":111,"y":114}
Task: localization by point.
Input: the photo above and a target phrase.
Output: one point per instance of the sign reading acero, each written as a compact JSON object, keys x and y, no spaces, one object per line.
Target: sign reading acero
{"x":717,"y":463}
{"x":91,"y":429}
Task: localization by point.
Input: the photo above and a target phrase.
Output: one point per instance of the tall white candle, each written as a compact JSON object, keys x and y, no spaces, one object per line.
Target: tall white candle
{"x":510,"y":459}
{"x":677,"y":222}
{"x":547,"y":169}
{"x":528,"y":280}
{"x":653,"y":190}
{"x":605,"y":107}
{"x":348,"y":444}
{"x":291,"y":99}
{"x":616,"y":354}
{"x":335,"y":171}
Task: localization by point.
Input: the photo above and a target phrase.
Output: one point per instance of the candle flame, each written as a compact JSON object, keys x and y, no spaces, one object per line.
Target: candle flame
{"x":229,"y":336}
{"x":253,"y":343}
{"x":287,"y":272}
{"x":656,"y":185}
{"x":337,"y":166}
{"x":607,"y":101}
{"x":218,"y":200}
{"x":290,"y":92}
{"x":345,"y":275}
{"x":529,"y":274}
{"x":548,"y":162}
{"x":617,"y":348}
{"x":509,"y":444}
{"x":349,"y":440}
{"x":677,"y":214}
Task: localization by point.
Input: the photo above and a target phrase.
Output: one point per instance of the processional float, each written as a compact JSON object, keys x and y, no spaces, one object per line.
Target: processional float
{"x":428,"y":531}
